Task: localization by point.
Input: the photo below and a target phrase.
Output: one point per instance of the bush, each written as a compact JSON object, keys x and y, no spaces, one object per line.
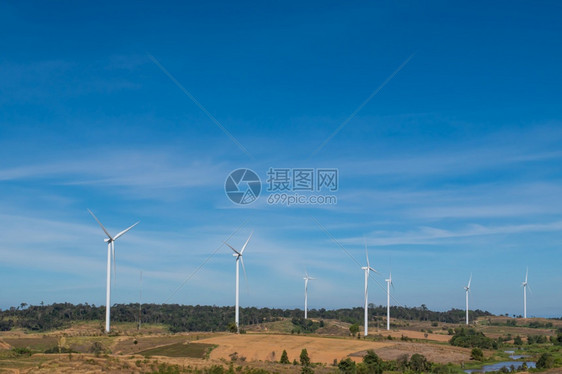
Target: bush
{"x":347,"y":366}
{"x":373,"y":363}
{"x":354,"y":329}
{"x":470,"y":338}
{"x":419,"y":364}
{"x":546,"y":361}
{"x":477,"y":354}
{"x":22,"y":351}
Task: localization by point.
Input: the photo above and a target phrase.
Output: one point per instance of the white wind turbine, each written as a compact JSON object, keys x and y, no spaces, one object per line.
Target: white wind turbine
{"x":239,"y":258}
{"x":367,"y":269}
{"x":110,"y":240}
{"x":524,"y":285}
{"x":306,"y":279}
{"x":388,"y":284}
{"x":467,"y":289}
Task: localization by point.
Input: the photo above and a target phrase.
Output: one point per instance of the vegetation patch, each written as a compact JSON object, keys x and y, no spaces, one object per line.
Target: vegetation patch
{"x":194,"y":350}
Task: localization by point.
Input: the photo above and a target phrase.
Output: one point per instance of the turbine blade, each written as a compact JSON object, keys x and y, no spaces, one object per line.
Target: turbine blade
{"x":526,"y":274}
{"x":103,"y":228}
{"x":469,"y":280}
{"x":231,"y":247}
{"x":244,"y":269}
{"x":245,"y":244}
{"x":529,"y":287}
{"x":124,"y":231}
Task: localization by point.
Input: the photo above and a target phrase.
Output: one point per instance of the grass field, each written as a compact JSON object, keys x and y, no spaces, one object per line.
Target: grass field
{"x":193,"y":350}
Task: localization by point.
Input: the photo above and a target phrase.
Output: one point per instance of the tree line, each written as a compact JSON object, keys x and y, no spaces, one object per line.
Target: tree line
{"x":181,"y":318}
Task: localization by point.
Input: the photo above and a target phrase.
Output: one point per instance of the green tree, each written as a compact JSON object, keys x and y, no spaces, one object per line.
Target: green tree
{"x":477,"y":354}
{"x":418,"y":363}
{"x":347,"y":366}
{"x":305,"y":360}
{"x":546,"y":361}
{"x":284,"y":358}
{"x":518,"y":340}
{"x":373,"y":362}
{"x":354,"y":329}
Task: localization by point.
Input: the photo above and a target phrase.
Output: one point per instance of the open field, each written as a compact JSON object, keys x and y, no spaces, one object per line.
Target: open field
{"x":268,"y":347}
{"x":154,"y":348}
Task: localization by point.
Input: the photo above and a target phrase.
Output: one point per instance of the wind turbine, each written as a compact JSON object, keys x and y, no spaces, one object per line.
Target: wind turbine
{"x":306,"y":279}
{"x":367,"y":269}
{"x":239,"y":259}
{"x":110,"y":240}
{"x":524,"y":285}
{"x":467,"y":289}
{"x":388,"y":284}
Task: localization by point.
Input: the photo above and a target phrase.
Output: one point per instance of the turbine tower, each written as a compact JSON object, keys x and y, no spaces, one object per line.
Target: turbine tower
{"x":239,"y":259}
{"x":467,"y":289}
{"x":306,"y":279}
{"x":524,"y":285}
{"x":110,"y":240}
{"x":367,"y":269}
{"x":388,"y":284}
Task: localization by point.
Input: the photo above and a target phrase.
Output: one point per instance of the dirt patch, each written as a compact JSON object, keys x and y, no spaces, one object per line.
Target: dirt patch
{"x":433,"y":352}
{"x":269,"y":347}
{"x":417,"y":335}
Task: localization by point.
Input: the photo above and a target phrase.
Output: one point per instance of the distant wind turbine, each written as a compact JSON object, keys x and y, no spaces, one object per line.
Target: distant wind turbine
{"x":239,"y":259}
{"x":367,"y":269}
{"x":110,"y":240}
{"x":388,"y":284}
{"x":306,"y":279}
{"x":524,"y":285}
{"x":467,"y":289}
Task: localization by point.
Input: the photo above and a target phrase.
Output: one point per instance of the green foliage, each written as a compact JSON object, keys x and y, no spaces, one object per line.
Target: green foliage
{"x":57,"y":349}
{"x":419,"y":364}
{"x":284,"y":358}
{"x":536,"y":339}
{"x":304,"y":359}
{"x":354,"y":329}
{"x":557,"y":340}
{"x":181,"y":318}
{"x":373,"y":363}
{"x":307,"y":370}
{"x":540,"y":325}
{"x":517,"y":340}
{"x":22,"y":351}
{"x":546,"y":361}
{"x":470,"y":338}
{"x":477,"y":354}
{"x":97,"y":348}
{"x":347,"y":366}
{"x":305,"y":325}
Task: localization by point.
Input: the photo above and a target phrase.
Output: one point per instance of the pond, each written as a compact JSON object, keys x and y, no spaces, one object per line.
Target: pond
{"x":499,"y":365}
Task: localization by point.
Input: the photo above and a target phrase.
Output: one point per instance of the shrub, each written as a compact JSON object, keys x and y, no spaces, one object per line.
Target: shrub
{"x":477,"y":354}
{"x":546,"y":361}
{"x":347,"y":366}
{"x":419,"y":364}
{"x":470,"y":338}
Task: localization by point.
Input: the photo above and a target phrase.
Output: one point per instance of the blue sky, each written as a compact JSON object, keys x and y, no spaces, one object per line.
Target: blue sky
{"x":452,"y":168}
